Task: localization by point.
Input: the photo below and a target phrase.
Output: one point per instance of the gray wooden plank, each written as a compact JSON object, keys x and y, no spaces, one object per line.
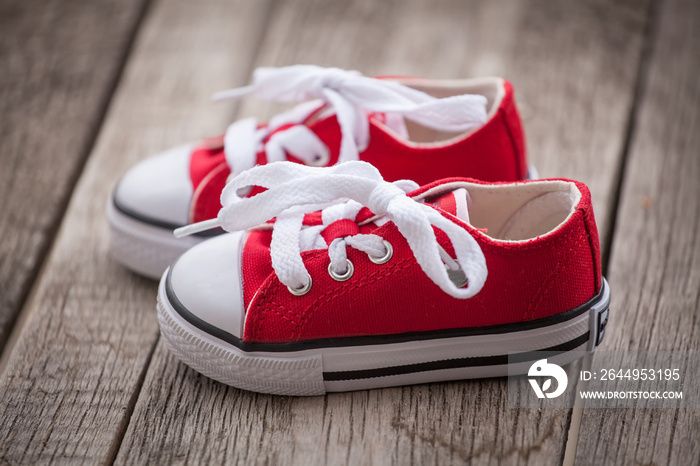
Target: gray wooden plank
{"x":655,"y":259}
{"x":59,"y":62}
{"x":72,"y":378}
{"x":575,"y":69}
{"x":573,"y":129}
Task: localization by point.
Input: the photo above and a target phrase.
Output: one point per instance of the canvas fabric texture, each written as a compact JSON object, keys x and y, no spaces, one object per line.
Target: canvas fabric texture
{"x":527,"y":280}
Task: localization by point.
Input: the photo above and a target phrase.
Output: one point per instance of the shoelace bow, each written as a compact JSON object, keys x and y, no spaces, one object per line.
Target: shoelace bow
{"x":340,"y":191}
{"x":351,"y":96}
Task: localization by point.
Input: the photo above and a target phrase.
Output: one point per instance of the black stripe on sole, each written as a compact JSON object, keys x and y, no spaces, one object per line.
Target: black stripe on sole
{"x":368,"y":339}
{"x":458,"y":363}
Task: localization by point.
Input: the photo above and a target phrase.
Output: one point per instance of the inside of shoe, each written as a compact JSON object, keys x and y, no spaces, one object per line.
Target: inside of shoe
{"x":491,"y":88}
{"x":519,"y":212}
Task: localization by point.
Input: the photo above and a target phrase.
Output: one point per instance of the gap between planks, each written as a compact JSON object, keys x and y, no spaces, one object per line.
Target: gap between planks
{"x":26,"y":302}
{"x":119,"y":437}
{"x":182,"y":415}
{"x":650,"y":34}
{"x":27,"y":276}
{"x":422,"y":443}
{"x":655,"y":264}
{"x":82,"y":350}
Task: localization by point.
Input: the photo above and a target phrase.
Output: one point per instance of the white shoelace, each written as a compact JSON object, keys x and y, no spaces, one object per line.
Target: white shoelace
{"x":340,"y":191}
{"x":351,"y":96}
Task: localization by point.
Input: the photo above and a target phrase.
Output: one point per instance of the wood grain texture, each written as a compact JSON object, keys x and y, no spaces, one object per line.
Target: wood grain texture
{"x":185,"y":418}
{"x":73,"y":376}
{"x":574,"y":69}
{"x":655,"y":261}
{"x":59,"y":62}
{"x":181,"y":417}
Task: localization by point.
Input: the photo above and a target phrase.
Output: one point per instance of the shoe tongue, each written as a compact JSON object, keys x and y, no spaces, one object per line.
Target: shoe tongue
{"x":457,"y":203}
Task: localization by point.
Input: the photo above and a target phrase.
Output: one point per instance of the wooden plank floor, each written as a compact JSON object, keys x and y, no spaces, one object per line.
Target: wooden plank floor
{"x":608,"y":93}
{"x":657,"y":291}
{"x":56,"y":78}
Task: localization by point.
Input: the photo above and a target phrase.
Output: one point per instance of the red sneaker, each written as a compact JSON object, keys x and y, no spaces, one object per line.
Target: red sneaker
{"x":380,"y":287}
{"x":408,"y":128}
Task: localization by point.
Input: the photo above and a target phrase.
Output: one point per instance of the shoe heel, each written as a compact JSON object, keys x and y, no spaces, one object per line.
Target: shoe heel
{"x":599,"y":318}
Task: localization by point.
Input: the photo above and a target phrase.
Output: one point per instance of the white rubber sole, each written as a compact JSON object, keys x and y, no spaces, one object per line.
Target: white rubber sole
{"x":337,"y":368}
{"x":146,"y":249}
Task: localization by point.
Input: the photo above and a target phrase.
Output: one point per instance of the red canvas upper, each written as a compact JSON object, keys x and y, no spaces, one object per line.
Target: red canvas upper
{"x":493,"y":152}
{"x":526,"y":280}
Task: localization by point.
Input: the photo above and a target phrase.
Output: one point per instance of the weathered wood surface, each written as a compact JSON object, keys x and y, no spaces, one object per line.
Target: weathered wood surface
{"x":573,"y":130}
{"x":88,"y":379}
{"x":59,"y":62}
{"x":654,"y":268}
{"x":74,"y":374}
{"x":575,"y":67}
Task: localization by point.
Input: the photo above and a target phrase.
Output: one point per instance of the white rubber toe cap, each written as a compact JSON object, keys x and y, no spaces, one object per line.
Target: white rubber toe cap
{"x":159,"y":188}
{"x":207,"y":281}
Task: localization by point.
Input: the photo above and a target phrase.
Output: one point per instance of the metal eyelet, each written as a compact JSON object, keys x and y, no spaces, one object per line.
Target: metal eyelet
{"x":303,"y":290}
{"x":458,"y":277}
{"x":320,"y":160}
{"x":241,"y":192}
{"x":342,"y":277}
{"x":385,"y":258}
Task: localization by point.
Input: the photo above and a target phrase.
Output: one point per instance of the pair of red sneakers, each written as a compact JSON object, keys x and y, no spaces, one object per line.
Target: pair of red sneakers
{"x":338,"y":273}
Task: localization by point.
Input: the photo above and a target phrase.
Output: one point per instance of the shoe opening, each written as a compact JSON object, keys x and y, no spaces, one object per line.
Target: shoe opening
{"x":517,"y":212}
{"x":491,"y":88}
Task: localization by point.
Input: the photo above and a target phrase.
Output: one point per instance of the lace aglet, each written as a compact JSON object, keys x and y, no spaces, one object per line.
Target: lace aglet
{"x":188,"y":230}
{"x":233,"y":93}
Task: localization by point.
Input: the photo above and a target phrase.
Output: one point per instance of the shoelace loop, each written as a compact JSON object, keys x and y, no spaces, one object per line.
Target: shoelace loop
{"x":382,"y":195}
{"x":351,"y":96}
{"x":340,"y":192}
